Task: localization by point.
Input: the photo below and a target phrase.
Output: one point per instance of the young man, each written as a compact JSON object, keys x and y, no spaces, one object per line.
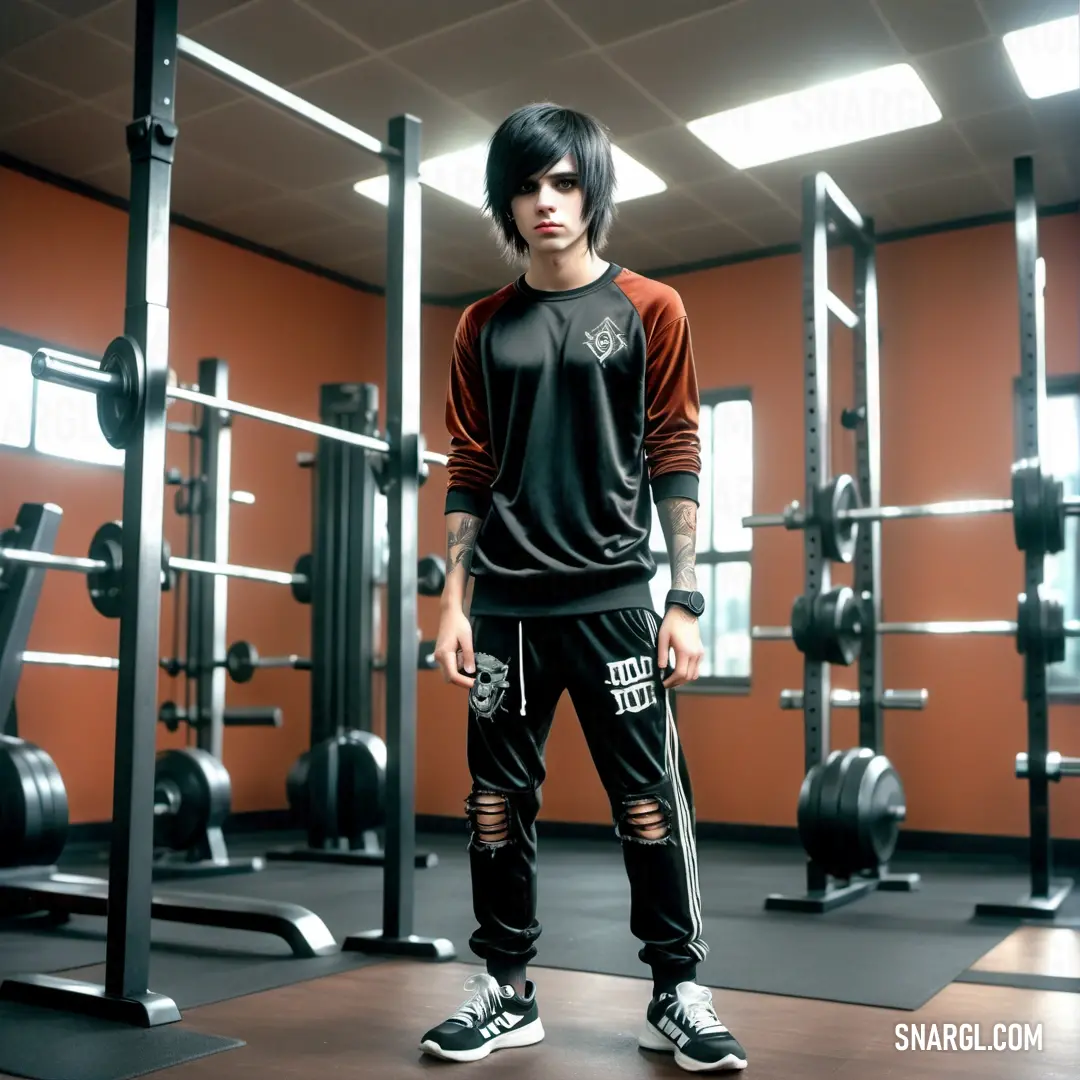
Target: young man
{"x":573,"y":405}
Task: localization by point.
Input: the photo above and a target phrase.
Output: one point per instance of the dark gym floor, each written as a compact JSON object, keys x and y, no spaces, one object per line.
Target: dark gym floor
{"x":891,"y":958}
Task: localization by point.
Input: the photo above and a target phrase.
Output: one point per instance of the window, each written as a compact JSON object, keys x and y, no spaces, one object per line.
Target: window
{"x":723,"y":545}
{"x":52,"y":420}
{"x":1060,"y":446}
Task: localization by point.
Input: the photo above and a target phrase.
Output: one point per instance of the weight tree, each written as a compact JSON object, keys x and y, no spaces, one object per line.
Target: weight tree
{"x":132,"y":388}
{"x":835,"y":625}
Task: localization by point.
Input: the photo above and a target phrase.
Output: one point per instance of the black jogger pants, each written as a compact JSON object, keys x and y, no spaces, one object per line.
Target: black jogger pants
{"x":607,"y":662}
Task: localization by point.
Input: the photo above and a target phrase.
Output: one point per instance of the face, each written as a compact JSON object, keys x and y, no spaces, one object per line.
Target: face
{"x":547,"y":210}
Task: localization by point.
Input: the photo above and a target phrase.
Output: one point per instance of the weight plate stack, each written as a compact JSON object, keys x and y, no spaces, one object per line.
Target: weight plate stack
{"x":33,"y":805}
{"x":339,"y":788}
{"x":838,"y":538}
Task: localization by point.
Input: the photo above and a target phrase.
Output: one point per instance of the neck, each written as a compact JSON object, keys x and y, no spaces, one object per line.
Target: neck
{"x":564,"y":270}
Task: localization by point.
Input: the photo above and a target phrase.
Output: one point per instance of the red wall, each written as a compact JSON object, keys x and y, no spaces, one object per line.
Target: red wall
{"x":949,"y":354}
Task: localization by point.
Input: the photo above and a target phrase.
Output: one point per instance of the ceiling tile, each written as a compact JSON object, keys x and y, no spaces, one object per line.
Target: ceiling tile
{"x":21,"y":22}
{"x":285,"y":152}
{"x":1058,"y":119}
{"x":339,"y":198}
{"x":75,"y":60}
{"x":1006,"y":15}
{"x":946,"y":200}
{"x":332,"y":246}
{"x":667,"y":211}
{"x":971,"y":80}
{"x":369,"y":93}
{"x":607,"y":21}
{"x":584,"y":83}
{"x":276,"y":221}
{"x":384,"y":25}
{"x":196,"y":92}
{"x":492,"y":49}
{"x":202,"y":186}
{"x":458,"y":224}
{"x":735,"y":55}
{"x":927,"y":25}
{"x":280,"y":41}
{"x":867,"y":169}
{"x":677,"y":156}
{"x":71,"y":143}
{"x":74,"y":9}
{"x":22,"y":100}
{"x":1001,"y":135}
{"x":118,"y":20}
{"x":1054,"y":180}
{"x":638,"y":253}
{"x":369,"y":268}
{"x":711,"y":241}
{"x":773,"y":227}
{"x":734,"y":196}
{"x":114,"y":179}
{"x":447,"y":281}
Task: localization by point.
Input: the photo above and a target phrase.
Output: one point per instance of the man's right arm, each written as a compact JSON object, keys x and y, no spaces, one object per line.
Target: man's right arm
{"x":471,"y":462}
{"x":461,"y":533}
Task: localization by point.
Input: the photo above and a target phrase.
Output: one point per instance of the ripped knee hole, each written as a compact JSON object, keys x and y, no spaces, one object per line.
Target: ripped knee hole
{"x":645,"y":819}
{"x":489,"y":816}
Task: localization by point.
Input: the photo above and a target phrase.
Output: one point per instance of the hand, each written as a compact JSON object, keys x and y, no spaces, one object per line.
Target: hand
{"x":679,"y":631}
{"x":454,"y":647}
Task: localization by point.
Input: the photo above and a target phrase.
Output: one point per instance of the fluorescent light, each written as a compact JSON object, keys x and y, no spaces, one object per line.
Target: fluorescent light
{"x":461,"y":175}
{"x":1046,"y":58}
{"x":836,"y":113}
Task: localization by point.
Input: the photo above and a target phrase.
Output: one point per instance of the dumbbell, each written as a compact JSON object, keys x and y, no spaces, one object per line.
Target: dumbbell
{"x":242,"y":660}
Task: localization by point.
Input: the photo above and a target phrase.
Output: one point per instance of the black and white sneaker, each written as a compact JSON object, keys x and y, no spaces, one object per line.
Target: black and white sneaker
{"x":686,"y":1022}
{"x":494,"y":1018}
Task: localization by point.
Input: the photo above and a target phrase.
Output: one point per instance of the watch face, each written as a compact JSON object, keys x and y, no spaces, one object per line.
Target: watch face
{"x":697,"y":602}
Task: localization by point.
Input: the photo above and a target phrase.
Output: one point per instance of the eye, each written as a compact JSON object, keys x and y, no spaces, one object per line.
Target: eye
{"x":568,"y":182}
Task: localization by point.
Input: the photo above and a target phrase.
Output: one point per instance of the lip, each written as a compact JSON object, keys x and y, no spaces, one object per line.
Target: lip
{"x":547,"y":226}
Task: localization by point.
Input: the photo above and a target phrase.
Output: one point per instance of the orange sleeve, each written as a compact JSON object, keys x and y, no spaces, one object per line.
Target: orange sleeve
{"x":471,"y":463}
{"x":672,"y":403}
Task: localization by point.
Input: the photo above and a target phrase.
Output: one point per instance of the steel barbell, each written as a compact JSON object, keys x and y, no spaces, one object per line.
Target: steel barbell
{"x":1038,"y":506}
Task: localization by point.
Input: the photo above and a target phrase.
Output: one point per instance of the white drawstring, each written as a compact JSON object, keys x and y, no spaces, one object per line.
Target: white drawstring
{"x":521,"y":667}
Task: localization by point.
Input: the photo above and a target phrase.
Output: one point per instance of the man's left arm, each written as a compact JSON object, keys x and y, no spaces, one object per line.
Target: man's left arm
{"x":673,"y":452}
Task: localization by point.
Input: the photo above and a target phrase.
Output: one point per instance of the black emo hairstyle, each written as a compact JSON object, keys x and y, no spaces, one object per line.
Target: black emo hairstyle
{"x":528,"y":143}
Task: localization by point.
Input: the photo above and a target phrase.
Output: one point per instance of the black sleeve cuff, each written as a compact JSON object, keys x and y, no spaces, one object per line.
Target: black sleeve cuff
{"x":676,"y":485}
{"x":461,"y":500}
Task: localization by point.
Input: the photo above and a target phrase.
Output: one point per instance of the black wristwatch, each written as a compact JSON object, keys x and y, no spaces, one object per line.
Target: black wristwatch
{"x":692,"y":600}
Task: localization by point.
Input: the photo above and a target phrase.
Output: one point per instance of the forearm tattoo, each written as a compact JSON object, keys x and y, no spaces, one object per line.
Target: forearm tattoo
{"x":460,"y":543}
{"x":678,"y":519}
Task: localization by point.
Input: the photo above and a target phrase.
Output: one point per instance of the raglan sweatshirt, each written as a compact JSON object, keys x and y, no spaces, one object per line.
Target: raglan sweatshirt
{"x":565,"y":411}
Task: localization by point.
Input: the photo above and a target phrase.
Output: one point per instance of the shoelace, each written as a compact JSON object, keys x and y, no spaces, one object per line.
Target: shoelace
{"x":484,"y":1001}
{"x":696,"y":1004}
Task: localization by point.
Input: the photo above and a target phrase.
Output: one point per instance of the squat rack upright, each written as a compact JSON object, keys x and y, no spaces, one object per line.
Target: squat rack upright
{"x":132,"y":388}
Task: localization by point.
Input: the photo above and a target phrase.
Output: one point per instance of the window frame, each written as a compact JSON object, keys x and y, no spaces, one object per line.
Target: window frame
{"x":721,"y":685}
{"x":14,"y":339}
{"x":1066,"y":385}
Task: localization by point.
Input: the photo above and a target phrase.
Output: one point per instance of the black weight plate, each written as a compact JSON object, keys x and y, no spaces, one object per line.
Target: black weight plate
{"x":205,"y":796}
{"x":106,"y":586}
{"x":36,"y":851}
{"x":1053,"y":515}
{"x":241,"y":661}
{"x":301,"y":590}
{"x":20,"y":808}
{"x":54,"y":806}
{"x":1027,"y":496}
{"x":832,"y":840}
{"x":881,"y":809}
{"x":1052,"y":626}
{"x":296,"y":788}
{"x":838,"y":538}
{"x":119,"y":412}
{"x":809,"y":813}
{"x":851,"y":803}
{"x":430,"y":575}
{"x":362,"y":794}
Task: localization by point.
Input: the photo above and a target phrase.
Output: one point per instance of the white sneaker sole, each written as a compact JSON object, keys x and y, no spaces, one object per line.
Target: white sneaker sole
{"x":528,"y":1035}
{"x":652,"y":1038}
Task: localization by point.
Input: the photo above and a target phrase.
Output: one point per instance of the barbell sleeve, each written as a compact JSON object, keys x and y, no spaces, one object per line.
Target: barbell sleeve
{"x":912,"y":700}
{"x":74,"y":372}
{"x":793,"y":519}
{"x":249,"y":573}
{"x":54,"y":659}
{"x":1056,"y":766}
{"x":993,"y":627}
{"x":51,"y":561}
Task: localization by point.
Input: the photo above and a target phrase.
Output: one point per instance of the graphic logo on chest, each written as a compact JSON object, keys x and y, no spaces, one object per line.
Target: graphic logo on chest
{"x":605,"y":341}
